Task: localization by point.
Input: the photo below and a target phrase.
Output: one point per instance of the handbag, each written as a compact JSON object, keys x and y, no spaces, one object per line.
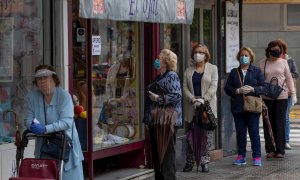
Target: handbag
{"x":251,"y":103}
{"x":56,"y":145}
{"x":273,"y":90}
{"x":205,"y":117}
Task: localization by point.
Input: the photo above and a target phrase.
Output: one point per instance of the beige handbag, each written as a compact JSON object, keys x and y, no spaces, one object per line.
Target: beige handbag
{"x":251,"y":103}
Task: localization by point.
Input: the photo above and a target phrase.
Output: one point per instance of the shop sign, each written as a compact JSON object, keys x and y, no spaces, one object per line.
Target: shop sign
{"x":271,"y":1}
{"x":232,"y":35}
{"x":157,"y":11}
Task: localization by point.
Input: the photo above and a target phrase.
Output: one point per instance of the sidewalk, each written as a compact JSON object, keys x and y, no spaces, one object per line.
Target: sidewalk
{"x":287,"y":168}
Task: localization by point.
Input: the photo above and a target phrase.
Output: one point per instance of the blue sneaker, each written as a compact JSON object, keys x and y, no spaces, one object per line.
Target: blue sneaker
{"x":257,"y":161}
{"x":240,"y":160}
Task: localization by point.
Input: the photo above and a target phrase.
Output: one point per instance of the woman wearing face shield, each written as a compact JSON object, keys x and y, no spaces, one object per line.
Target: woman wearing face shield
{"x":276,"y":67}
{"x":200,"y":83}
{"x":50,"y":109}
{"x":245,"y":80}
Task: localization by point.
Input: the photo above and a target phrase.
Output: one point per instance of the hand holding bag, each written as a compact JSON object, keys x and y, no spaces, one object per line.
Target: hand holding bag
{"x":273,"y":90}
{"x":205,"y":118}
{"x":251,"y":103}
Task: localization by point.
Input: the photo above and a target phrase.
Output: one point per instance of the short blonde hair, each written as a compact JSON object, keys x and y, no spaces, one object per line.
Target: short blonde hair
{"x":170,"y":58}
{"x":249,"y":50}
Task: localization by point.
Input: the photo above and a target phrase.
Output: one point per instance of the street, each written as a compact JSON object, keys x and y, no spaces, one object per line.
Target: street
{"x":287,"y":168}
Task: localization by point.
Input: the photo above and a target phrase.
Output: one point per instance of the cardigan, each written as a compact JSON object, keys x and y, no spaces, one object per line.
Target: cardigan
{"x":169,"y":83}
{"x":209,"y":86}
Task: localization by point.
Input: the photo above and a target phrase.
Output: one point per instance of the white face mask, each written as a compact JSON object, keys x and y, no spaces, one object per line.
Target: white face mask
{"x":199,"y":57}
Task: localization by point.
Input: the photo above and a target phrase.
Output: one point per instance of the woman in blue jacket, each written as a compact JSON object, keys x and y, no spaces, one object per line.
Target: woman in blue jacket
{"x":251,"y":85}
{"x":50,"y":109}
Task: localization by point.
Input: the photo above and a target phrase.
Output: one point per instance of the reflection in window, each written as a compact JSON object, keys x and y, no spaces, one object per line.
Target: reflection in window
{"x":115,"y":84}
{"x":22,"y":53}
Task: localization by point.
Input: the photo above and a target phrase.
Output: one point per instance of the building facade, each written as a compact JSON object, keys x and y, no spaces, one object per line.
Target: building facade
{"x":107,"y":64}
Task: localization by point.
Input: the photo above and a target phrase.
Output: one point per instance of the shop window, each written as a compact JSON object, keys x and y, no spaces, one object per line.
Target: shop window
{"x":115,"y":83}
{"x":21,"y":49}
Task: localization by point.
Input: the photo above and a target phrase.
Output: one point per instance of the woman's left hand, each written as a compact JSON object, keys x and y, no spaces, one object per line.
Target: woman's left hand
{"x":249,"y":88}
{"x":294,"y":100}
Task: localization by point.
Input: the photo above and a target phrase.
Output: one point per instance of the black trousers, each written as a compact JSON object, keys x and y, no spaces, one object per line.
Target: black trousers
{"x":167,"y":170}
{"x":277,"y":111}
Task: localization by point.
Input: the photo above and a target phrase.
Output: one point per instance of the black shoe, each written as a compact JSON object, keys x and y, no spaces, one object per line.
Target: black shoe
{"x":188,"y":168}
{"x":205,"y":168}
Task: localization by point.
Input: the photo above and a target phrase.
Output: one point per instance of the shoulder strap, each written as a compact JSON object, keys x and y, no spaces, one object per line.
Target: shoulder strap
{"x":265,"y":68}
{"x":237,"y":71}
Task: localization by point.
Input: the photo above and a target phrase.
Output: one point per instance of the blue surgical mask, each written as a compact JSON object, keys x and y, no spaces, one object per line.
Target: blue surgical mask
{"x":275,"y":53}
{"x":244,"y":60}
{"x":157,"y":64}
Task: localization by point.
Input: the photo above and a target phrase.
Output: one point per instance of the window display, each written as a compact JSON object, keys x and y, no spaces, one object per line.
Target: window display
{"x":115,"y":84}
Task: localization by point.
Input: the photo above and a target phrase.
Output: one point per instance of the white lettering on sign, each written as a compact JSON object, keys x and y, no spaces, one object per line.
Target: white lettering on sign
{"x":38,"y":166}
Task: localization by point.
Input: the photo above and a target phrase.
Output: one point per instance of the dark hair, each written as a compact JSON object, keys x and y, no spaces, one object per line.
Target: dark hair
{"x":49,"y":67}
{"x":283,"y":46}
{"x":272,"y":44}
{"x":205,"y":51}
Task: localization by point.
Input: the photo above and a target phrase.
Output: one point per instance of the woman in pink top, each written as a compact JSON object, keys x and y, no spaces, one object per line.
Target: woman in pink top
{"x":274,"y":66}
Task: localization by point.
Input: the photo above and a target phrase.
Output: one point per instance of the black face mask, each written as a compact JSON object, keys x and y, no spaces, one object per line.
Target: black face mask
{"x":275,"y":53}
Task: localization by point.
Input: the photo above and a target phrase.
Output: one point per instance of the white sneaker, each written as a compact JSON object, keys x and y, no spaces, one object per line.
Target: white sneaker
{"x":288,"y":146}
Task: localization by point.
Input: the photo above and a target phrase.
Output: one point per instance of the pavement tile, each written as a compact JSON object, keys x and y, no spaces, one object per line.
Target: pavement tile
{"x":287,"y":168}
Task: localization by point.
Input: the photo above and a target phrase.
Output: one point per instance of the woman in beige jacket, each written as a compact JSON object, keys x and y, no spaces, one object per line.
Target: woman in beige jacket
{"x":200,"y":80}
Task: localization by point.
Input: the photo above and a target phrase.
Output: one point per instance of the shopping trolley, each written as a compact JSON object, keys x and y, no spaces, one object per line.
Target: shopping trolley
{"x":37,"y":169}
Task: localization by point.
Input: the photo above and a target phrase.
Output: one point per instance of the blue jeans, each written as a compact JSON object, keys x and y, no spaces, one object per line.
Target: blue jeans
{"x":250,"y":121}
{"x":287,"y":120}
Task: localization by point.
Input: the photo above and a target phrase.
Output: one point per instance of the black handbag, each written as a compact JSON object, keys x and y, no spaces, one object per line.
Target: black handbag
{"x":205,"y":117}
{"x":273,"y":90}
{"x":57,"y":146}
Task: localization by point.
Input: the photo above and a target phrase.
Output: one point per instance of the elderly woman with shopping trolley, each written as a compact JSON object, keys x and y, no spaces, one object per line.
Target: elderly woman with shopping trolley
{"x":49,"y":110}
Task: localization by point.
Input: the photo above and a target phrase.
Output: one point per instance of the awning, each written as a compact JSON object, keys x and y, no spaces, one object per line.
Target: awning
{"x":271,"y":1}
{"x":156,"y":11}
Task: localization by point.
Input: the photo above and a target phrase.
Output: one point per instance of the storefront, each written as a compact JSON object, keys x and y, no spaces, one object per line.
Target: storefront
{"x":114,"y":61}
{"x":106,"y":61}
{"x":31,"y":34}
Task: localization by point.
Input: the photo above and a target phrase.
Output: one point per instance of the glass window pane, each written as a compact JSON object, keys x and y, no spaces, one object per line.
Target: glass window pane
{"x":195,"y":28}
{"x":293,"y":14}
{"x":115,"y":84}
{"x":21,"y":49}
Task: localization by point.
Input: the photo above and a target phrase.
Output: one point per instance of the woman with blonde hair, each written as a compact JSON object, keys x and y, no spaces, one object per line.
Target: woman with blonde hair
{"x":164,"y":92}
{"x":200,"y":83}
{"x":246,"y":80}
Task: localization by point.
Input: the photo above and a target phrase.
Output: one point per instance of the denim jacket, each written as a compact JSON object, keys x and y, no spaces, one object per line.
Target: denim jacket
{"x":254,"y":78}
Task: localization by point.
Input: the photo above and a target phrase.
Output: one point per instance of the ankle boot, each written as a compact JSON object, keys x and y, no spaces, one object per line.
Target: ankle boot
{"x":205,"y":167}
{"x":188,"y":168}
